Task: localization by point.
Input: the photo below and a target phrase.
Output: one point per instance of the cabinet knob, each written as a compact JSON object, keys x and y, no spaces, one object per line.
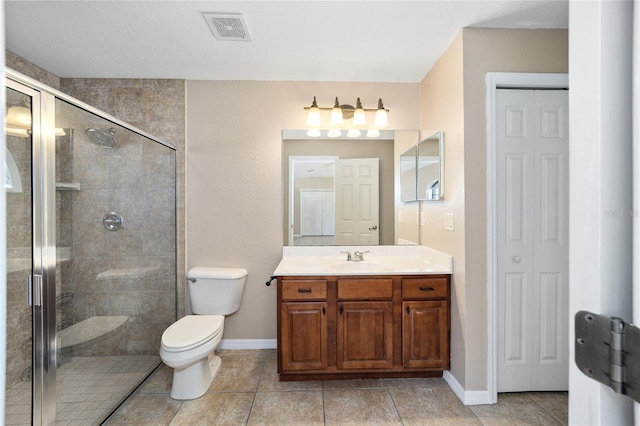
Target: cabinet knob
{"x":517,"y":259}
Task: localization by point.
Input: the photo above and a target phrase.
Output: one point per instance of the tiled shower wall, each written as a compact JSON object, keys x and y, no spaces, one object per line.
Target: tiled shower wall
{"x":128,"y":273}
{"x":157,"y":107}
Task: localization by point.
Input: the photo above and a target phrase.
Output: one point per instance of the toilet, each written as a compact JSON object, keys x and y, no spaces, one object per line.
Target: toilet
{"x":187,"y":345}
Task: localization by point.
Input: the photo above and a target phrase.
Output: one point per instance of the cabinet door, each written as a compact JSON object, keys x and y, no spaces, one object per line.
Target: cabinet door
{"x":303,"y":336}
{"x":365,"y":335}
{"x":425,"y":334}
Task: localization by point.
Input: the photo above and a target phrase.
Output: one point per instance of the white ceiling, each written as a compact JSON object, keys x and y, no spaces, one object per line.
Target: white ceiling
{"x":376,"y":41}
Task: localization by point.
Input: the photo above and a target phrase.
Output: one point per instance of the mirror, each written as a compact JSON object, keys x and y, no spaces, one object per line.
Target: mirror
{"x":430,"y":168}
{"x":408,"y":175}
{"x":330,"y":194}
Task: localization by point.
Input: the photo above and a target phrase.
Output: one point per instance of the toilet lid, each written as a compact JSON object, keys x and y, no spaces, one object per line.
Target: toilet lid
{"x":191,"y":331}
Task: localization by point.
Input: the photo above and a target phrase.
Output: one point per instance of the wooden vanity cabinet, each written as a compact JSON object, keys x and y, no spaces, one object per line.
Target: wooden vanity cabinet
{"x":365,"y":323}
{"x":363,"y":326}
{"x":425,"y":323}
{"x":302,"y":340}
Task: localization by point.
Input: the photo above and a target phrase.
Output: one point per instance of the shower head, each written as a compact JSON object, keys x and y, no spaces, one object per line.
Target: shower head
{"x":103,"y":138}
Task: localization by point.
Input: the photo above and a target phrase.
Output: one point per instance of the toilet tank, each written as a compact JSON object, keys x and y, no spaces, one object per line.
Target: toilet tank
{"x":215,"y":291}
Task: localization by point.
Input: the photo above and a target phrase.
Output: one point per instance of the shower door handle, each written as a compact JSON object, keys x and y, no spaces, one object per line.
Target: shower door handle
{"x":34,"y":290}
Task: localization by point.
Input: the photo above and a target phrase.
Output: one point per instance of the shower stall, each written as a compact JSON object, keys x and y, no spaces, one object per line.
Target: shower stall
{"x":91,"y":256}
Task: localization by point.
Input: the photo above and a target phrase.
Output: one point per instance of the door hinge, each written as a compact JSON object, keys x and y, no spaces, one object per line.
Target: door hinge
{"x":34,"y":290}
{"x":608,"y":351}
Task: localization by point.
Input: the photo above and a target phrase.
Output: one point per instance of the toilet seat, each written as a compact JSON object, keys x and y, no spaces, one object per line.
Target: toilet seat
{"x":191,"y":331}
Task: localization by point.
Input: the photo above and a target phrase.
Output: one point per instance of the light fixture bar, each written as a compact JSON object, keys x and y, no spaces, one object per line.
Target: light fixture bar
{"x":344,"y":107}
{"x":342,"y":112}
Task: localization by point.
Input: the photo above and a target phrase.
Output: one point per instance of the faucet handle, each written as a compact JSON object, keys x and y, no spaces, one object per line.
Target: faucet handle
{"x":348,"y":255}
{"x":358,"y":255}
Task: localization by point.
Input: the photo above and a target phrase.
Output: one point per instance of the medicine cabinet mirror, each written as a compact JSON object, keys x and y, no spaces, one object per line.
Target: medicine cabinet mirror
{"x":430,"y":168}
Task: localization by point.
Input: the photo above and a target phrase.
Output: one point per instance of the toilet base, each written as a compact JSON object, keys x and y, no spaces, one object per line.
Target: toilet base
{"x":194,"y":381}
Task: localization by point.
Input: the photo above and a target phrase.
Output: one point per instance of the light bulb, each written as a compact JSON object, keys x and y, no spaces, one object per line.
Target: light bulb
{"x":359,"y":119}
{"x":313,"y":118}
{"x":381,"y":121}
{"x":336,"y":115}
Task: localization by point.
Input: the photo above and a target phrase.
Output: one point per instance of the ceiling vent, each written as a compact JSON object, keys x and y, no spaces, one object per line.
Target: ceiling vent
{"x":228,"y":26}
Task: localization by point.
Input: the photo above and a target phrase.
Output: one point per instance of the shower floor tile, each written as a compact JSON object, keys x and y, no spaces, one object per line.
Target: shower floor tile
{"x":87,"y":389}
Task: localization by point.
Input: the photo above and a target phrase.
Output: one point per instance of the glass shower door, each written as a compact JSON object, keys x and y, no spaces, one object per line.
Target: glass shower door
{"x":91,"y":227}
{"x":115,"y":209}
{"x":29,"y":358}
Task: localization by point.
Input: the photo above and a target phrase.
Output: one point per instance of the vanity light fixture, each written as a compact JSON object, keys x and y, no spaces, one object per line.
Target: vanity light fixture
{"x":337,"y":115}
{"x":17,"y":122}
{"x":18,"y":117}
{"x":313,"y":118}
{"x":359,"y":120}
{"x":342,"y":112}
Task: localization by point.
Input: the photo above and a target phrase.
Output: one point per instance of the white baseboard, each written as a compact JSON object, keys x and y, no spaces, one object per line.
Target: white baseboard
{"x":248,"y":344}
{"x":467,"y":397}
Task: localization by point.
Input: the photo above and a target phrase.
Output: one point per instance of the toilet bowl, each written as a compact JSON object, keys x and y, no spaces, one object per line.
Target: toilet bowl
{"x":188,"y":345}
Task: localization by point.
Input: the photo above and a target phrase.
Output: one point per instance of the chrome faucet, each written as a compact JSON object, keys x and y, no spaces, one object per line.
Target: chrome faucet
{"x":357,"y":256}
{"x":348,"y":255}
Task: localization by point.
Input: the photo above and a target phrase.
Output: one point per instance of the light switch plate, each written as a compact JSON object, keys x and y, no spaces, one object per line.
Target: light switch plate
{"x":448,"y":222}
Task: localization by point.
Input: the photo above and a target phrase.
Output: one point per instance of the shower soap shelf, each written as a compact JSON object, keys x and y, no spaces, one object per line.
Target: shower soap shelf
{"x":68,"y":186}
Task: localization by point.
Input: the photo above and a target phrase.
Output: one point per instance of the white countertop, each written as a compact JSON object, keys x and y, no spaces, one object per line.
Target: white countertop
{"x":380,"y":260}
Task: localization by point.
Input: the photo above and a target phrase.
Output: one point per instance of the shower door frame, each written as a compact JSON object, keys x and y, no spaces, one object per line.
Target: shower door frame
{"x":44,"y":232}
{"x":42,"y":291}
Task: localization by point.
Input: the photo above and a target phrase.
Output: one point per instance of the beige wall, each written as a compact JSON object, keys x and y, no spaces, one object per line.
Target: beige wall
{"x":452,"y":99}
{"x":442,"y":109}
{"x":234,"y":176}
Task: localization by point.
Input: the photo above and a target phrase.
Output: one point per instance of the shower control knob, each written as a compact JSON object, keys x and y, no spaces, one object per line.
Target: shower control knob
{"x":112,"y":221}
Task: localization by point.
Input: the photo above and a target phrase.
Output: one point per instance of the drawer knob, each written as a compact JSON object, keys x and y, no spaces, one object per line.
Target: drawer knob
{"x":304,"y":290}
{"x":426,"y":288}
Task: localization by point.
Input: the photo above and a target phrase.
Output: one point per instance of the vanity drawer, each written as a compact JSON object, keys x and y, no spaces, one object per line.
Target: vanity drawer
{"x":304,"y":290}
{"x":365,"y":289}
{"x":425,"y":288}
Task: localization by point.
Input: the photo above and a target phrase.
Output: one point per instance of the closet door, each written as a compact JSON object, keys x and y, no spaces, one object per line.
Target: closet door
{"x":532,"y":183}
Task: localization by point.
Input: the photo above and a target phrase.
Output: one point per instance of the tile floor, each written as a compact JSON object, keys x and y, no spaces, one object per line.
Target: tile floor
{"x":247,"y":392}
{"x":87,"y":389}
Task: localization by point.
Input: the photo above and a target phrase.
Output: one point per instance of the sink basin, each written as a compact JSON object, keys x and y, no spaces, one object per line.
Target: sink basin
{"x":363,"y":266}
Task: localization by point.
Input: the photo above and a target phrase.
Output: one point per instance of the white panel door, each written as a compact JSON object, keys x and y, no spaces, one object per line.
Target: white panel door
{"x":357,"y":202}
{"x":316,"y":212}
{"x":310,"y":213}
{"x":532,"y":219}
{"x":328,"y":213}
